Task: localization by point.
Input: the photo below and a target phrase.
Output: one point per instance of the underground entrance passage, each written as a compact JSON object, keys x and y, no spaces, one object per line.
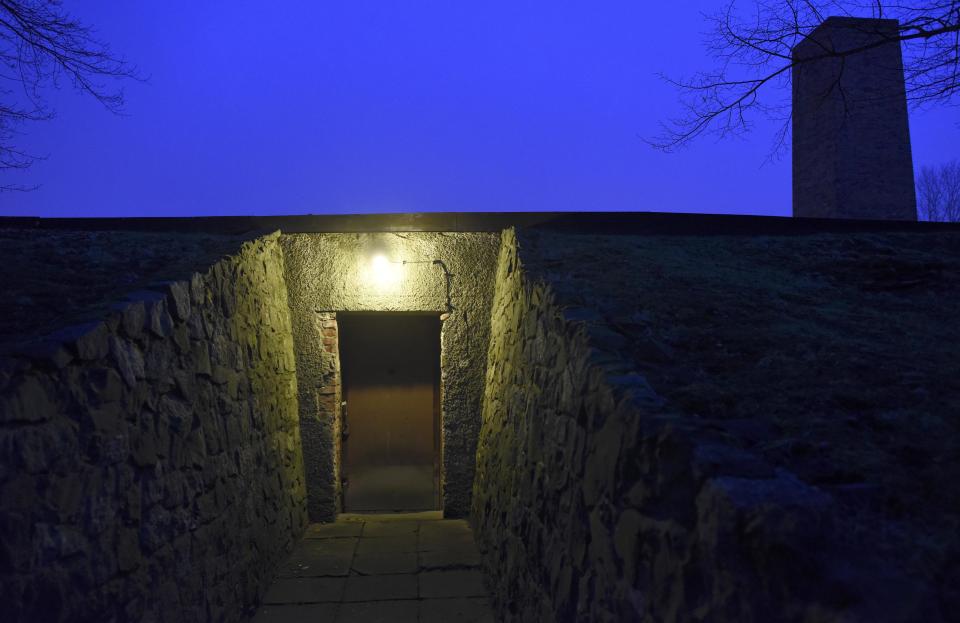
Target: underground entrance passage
{"x":391,"y":389}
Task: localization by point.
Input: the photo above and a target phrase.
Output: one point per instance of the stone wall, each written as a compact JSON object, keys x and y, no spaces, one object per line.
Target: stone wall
{"x":150,"y":465}
{"x":330,"y":273}
{"x":595,"y":501}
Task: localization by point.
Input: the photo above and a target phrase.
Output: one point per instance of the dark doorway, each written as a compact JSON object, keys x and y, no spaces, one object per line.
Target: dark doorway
{"x":391,"y":385}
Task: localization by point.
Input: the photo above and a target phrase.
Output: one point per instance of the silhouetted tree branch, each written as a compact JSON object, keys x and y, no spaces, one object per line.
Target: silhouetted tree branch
{"x":938,"y":192}
{"x":40,"y":45}
{"x":754,"y":52}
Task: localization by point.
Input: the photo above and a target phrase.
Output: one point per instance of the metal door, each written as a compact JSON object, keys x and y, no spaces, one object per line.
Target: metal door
{"x":390,"y":366}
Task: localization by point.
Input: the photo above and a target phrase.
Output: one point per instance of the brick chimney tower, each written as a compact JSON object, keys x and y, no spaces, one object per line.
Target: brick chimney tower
{"x":851,"y":141}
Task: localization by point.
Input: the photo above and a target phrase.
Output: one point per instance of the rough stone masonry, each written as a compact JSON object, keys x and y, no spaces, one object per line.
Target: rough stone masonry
{"x":851,"y":140}
{"x":150,"y":464}
{"x":599,"y":498}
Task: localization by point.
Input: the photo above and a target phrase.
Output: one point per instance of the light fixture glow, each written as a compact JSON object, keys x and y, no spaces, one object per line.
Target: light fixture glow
{"x":380,"y":264}
{"x":383,"y":272}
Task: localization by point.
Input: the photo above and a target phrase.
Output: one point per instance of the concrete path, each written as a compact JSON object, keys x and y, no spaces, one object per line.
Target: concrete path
{"x":397,"y":568}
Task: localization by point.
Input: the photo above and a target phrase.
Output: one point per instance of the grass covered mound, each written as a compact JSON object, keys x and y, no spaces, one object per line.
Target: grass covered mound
{"x":52,"y":278}
{"x":835,"y":356}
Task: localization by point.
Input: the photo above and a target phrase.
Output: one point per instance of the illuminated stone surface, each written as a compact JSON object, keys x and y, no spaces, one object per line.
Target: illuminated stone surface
{"x":156,"y":474}
{"x":327,"y":273}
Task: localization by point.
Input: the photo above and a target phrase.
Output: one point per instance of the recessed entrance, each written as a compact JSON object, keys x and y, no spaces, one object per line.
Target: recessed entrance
{"x":391,"y":386}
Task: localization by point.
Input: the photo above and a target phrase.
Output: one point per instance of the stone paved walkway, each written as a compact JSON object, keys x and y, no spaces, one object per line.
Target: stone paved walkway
{"x":397,"y":568}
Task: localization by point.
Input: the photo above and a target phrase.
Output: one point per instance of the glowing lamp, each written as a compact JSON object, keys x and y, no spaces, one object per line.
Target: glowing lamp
{"x":383,"y":272}
{"x":381,"y":264}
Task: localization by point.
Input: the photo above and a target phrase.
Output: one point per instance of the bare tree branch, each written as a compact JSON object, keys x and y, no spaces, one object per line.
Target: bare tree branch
{"x":40,"y":44}
{"x":754,"y":52}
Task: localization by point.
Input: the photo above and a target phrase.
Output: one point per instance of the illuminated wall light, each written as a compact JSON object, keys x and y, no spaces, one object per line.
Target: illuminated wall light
{"x":386,"y":274}
{"x":383,"y":272}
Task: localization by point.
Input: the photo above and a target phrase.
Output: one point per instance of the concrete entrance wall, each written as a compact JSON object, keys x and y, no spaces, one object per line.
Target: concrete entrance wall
{"x":330,"y":273}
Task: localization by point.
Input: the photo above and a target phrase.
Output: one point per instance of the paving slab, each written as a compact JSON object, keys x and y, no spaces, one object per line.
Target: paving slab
{"x":305,"y":590}
{"x":417,"y":516}
{"x":460,"y":583}
{"x":439,"y":536}
{"x":461,"y":610}
{"x":429,"y":542}
{"x":373,"y":529}
{"x":380,"y":587}
{"x":333,"y":530}
{"x":316,"y":613}
{"x":379,"y":563}
{"x":379,"y":612}
{"x":428,"y":538}
{"x":320,"y":557}
{"x":387,"y":544}
{"x":465,"y":557}
{"x":449,"y":527}
{"x":391,"y":568}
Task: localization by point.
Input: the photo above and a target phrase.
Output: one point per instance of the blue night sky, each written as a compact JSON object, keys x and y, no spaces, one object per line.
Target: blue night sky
{"x":359,"y":106}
